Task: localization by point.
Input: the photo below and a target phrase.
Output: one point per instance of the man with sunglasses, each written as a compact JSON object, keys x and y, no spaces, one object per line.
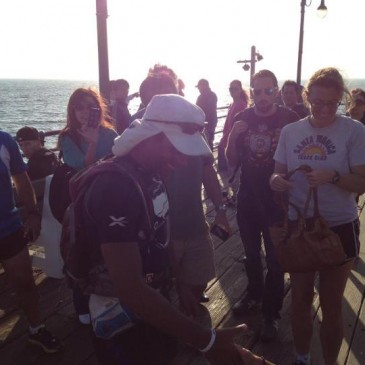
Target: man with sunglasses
{"x":251,"y":145}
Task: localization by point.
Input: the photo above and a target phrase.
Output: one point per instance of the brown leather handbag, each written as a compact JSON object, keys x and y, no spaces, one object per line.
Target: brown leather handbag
{"x":306,"y":244}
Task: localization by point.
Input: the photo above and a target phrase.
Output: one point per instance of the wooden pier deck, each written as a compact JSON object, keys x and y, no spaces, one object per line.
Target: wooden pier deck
{"x":224,"y":291}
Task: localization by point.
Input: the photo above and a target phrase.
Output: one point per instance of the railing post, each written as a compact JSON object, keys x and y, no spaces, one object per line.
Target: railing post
{"x":253,"y":63}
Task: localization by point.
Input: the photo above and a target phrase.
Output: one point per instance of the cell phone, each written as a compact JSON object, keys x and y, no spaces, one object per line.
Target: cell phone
{"x":219,"y":232}
{"x":94,"y":117}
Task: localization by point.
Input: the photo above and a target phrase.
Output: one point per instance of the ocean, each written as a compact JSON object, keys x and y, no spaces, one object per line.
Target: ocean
{"x":42,"y":103}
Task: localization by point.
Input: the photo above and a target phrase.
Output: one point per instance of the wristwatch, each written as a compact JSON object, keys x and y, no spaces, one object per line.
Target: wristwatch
{"x":221,"y":207}
{"x":336,"y":178}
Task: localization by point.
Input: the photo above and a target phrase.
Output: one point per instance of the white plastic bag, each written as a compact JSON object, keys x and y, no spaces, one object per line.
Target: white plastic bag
{"x":108,"y":317}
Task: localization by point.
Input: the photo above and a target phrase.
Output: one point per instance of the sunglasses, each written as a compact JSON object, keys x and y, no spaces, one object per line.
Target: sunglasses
{"x":186,"y":128}
{"x":268,"y":91}
{"x":322,"y":104}
{"x":233,"y":89}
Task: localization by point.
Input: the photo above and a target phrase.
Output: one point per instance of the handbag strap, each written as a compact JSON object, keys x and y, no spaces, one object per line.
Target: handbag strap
{"x":312,"y":192}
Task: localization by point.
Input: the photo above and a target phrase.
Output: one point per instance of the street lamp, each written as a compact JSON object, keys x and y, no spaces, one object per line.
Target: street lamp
{"x":101,"y":21}
{"x":250,"y":64}
{"x":321,"y":11}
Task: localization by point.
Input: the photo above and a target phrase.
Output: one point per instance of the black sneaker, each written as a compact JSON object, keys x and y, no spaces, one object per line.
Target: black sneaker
{"x":270,"y":330}
{"x":246,"y":305}
{"x":46,"y":340}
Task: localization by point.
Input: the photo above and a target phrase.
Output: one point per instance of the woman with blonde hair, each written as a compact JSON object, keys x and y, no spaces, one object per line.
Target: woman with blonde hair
{"x":333,"y":146}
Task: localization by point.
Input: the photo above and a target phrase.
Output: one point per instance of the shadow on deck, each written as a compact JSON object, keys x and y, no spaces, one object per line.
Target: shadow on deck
{"x":224,"y":291}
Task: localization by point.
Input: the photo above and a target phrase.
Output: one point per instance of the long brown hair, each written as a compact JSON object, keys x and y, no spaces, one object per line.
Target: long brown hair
{"x":72,"y":124}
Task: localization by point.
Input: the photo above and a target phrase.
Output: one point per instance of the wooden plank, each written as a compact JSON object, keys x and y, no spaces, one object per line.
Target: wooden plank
{"x":355,"y":345}
{"x":76,"y":339}
{"x":53,"y":296}
{"x":356,"y":354}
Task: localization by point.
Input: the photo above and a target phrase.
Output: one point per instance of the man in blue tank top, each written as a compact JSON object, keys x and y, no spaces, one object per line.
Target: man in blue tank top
{"x":14,"y":237}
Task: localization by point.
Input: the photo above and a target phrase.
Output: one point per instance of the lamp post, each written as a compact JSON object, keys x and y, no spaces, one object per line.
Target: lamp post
{"x":101,"y":20}
{"x":250,"y":64}
{"x":321,"y":11}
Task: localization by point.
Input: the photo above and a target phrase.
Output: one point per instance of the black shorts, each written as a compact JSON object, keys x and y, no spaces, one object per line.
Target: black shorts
{"x":349,"y":236}
{"x":11,"y":245}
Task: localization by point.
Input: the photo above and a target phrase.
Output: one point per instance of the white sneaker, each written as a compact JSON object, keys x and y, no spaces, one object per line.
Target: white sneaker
{"x":85,"y":318}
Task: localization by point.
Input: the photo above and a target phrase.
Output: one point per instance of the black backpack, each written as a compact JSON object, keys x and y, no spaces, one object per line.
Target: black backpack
{"x":59,"y":195}
{"x":81,"y":253}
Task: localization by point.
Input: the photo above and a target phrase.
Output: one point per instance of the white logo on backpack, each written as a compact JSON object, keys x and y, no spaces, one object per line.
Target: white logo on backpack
{"x":121,"y":221}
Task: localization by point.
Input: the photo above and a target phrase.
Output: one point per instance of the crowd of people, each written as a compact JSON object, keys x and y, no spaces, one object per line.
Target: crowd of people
{"x":137,"y":225}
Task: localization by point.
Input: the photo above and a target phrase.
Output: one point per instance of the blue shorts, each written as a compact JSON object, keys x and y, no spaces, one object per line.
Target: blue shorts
{"x":11,"y":245}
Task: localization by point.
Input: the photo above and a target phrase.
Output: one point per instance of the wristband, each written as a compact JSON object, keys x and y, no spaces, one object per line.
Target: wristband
{"x":211,"y":342}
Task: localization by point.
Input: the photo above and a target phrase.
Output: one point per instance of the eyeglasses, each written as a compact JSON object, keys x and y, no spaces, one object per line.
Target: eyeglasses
{"x":85,"y":106}
{"x":322,"y":104}
{"x":268,"y":91}
{"x":186,"y":128}
{"x":233,"y":88}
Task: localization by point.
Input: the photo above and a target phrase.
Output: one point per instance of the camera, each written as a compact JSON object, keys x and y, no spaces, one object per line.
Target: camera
{"x":94,"y":117}
{"x":219,"y":232}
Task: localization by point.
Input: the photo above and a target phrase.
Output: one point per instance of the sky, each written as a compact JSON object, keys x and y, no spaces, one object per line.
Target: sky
{"x":57,"y":39}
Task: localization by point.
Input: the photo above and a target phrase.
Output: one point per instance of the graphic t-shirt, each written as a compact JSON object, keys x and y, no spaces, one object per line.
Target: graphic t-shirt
{"x":11,"y":163}
{"x":336,"y":147}
{"x":256,"y":148}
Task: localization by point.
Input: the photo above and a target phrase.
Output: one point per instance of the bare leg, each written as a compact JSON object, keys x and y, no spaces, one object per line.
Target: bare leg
{"x":302,"y":288}
{"x":331,"y":287}
{"x":19,"y":271}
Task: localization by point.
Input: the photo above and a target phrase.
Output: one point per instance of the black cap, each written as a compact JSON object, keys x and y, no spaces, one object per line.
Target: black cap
{"x":27,"y":134}
{"x":202,"y":82}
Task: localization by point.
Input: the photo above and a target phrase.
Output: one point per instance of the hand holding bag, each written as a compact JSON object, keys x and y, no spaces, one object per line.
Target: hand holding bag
{"x":307,"y":244}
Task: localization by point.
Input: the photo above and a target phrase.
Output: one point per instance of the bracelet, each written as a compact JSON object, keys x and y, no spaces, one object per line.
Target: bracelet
{"x":211,"y":342}
{"x":263,"y":360}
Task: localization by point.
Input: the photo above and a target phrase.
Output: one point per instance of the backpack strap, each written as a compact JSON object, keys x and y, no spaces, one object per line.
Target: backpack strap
{"x":83,"y":180}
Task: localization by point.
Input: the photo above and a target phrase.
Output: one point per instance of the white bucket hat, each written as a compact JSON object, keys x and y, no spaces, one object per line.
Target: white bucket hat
{"x":181,"y":121}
